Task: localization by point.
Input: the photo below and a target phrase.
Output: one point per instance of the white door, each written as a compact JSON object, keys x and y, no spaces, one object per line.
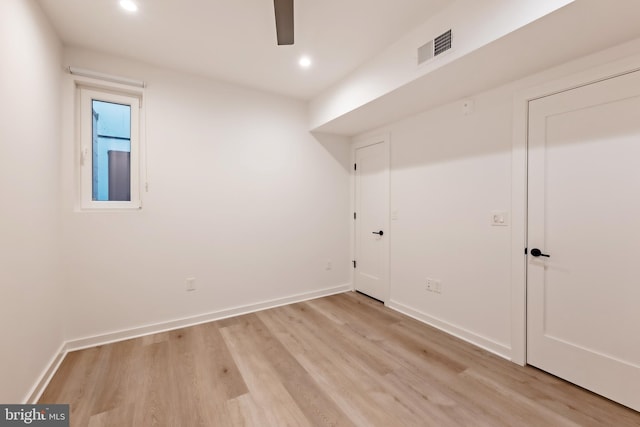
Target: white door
{"x":583,"y":301}
{"x":371,"y":223}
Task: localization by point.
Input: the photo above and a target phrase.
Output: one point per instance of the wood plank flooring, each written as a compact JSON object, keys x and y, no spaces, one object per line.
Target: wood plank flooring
{"x":343,"y":360}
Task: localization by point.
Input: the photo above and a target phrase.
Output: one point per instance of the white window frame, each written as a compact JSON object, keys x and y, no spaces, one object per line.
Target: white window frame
{"x":86,"y":94}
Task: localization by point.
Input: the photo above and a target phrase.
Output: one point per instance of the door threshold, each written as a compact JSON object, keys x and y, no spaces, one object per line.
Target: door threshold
{"x":370,"y":297}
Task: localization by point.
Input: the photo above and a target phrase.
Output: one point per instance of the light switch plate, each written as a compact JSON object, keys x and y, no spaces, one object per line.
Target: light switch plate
{"x":500,"y":218}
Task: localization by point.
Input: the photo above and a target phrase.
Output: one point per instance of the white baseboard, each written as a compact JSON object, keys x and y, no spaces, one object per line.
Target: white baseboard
{"x":43,"y":381}
{"x":108,"y":338}
{"x":111,"y":337}
{"x":93,"y":341}
{"x":464,"y":334}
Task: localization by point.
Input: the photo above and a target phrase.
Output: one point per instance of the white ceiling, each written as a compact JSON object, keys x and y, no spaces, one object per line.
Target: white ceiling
{"x":235,"y":40}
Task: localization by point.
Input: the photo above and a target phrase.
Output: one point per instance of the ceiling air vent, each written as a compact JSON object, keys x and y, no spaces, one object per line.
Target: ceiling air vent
{"x":442,"y":43}
{"x":435,"y":47}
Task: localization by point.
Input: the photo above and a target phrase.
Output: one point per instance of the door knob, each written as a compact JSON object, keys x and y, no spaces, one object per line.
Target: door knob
{"x":379,"y":233}
{"x":537,"y":252}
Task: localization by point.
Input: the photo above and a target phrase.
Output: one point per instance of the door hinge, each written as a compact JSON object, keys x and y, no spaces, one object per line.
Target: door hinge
{"x":525,"y":251}
{"x":354,"y":264}
{"x":355,"y":166}
{"x":354,"y":215}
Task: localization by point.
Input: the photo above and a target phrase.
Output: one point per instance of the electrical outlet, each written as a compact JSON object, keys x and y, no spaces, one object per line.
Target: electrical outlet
{"x":433,"y":285}
{"x":190,"y":283}
{"x":468,"y":106}
{"x":430,"y":285}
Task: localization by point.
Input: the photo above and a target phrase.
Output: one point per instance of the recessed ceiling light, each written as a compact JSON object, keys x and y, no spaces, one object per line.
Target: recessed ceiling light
{"x":305,"y":62}
{"x":128,"y":5}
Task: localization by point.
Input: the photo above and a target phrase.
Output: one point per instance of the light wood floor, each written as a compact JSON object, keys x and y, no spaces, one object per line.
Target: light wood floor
{"x":341,"y":360}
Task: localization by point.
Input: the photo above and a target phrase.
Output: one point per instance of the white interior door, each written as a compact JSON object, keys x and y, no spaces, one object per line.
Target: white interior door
{"x":583,"y":301}
{"x":372,"y":218}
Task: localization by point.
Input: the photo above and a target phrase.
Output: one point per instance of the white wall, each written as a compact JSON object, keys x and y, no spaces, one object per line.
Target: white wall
{"x":31,"y":298}
{"x":449,"y":171}
{"x":242,"y":197}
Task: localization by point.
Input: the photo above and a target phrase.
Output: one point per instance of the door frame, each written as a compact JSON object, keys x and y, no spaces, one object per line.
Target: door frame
{"x":519,"y":187}
{"x":361,"y":142}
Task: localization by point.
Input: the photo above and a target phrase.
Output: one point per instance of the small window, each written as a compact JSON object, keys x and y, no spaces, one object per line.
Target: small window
{"x":110,"y":149}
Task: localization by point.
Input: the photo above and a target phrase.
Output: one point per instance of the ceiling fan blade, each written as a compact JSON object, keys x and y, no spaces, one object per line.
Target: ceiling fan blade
{"x":284,"y":21}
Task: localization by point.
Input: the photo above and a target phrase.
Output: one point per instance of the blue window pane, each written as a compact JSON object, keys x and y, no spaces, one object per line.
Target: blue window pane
{"x":111,"y":151}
